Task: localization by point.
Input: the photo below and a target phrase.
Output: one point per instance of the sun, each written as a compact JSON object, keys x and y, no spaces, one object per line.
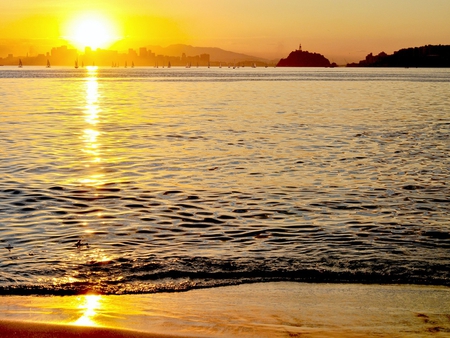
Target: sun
{"x":91,"y":30}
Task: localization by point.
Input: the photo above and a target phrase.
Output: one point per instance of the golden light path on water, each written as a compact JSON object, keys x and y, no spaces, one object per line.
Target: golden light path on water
{"x":93,"y":177}
{"x":91,"y":134}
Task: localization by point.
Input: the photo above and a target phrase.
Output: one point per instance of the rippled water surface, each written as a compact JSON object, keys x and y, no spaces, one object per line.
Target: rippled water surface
{"x":145,"y":180}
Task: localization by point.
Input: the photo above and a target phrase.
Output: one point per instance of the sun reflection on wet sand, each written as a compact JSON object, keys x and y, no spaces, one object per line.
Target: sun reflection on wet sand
{"x":253,"y":310}
{"x":90,"y":308}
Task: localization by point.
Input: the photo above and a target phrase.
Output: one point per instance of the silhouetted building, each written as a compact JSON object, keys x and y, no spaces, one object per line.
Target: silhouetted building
{"x":143,"y":52}
{"x":62,"y":55}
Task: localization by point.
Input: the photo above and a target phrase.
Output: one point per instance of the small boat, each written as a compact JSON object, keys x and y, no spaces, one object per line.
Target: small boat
{"x":20,"y":63}
{"x":48,"y":64}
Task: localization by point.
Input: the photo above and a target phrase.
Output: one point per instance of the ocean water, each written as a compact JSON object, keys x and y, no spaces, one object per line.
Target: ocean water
{"x":148,"y":180}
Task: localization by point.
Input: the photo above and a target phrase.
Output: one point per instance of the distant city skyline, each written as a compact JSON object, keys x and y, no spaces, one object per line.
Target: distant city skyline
{"x":66,"y":56}
{"x":344,"y":31}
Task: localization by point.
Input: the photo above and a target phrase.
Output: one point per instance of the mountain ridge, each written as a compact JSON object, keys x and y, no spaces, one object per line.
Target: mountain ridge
{"x":423,"y":56}
{"x":216,"y":54}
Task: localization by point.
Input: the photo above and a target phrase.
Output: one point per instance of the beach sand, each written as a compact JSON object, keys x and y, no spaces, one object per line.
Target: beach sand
{"x":34,"y":330}
{"x":253,"y":310}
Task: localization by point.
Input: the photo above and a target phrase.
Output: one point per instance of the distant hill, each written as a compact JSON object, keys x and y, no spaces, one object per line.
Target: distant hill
{"x":425,"y":56}
{"x":216,"y":54}
{"x":299,"y":58}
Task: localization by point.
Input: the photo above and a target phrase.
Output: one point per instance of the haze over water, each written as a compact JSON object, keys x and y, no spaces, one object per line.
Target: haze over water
{"x":146,"y":180}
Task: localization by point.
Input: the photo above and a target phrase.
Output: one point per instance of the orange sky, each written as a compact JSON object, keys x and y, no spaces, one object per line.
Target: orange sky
{"x":344,"y":30}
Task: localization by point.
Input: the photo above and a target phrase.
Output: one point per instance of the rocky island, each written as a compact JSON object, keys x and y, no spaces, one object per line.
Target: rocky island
{"x":299,"y":58}
{"x":425,"y":56}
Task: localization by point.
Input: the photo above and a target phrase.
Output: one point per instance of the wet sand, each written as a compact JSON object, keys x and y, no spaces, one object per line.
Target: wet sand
{"x":43,"y":330}
{"x":252,"y":310}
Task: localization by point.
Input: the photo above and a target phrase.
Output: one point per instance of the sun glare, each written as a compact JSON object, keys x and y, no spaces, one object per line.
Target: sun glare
{"x":89,"y":310}
{"x":92,"y":30}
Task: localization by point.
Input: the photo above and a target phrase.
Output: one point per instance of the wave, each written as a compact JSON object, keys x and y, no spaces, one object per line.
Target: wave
{"x":152,"y":275}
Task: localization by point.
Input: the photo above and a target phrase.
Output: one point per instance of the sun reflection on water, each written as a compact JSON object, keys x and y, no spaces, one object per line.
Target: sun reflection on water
{"x":91,"y":134}
{"x":90,"y":308}
{"x":92,"y":108}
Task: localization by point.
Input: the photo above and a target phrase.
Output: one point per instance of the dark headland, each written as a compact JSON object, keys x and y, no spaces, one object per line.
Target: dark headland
{"x":426,"y":56}
{"x":299,"y":58}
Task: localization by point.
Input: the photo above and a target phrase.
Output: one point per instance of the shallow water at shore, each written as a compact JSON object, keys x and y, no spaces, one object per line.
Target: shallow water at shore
{"x":144,"y":180}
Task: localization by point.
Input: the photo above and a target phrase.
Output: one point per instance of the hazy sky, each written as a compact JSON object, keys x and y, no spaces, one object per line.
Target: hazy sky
{"x":342,"y":30}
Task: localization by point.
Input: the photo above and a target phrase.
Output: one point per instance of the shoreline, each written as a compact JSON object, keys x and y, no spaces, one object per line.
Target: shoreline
{"x":274,"y":309}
